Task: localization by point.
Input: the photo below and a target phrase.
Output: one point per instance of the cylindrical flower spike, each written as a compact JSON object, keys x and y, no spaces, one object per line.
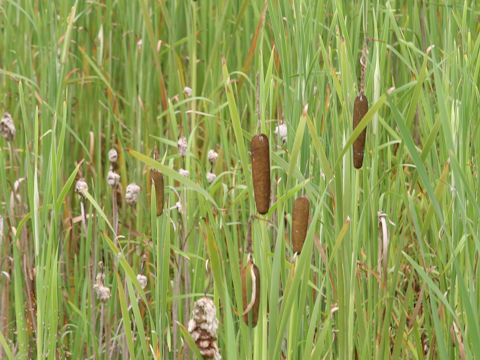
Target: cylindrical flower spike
{"x":301,"y":210}
{"x":360,"y":108}
{"x":261,"y":172}
{"x":157,"y":179}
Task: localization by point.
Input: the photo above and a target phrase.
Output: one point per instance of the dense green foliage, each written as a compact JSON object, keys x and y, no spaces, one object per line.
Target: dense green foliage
{"x":389,"y":266}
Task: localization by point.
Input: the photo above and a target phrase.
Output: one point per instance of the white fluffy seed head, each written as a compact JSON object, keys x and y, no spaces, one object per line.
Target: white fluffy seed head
{"x":142,"y":279}
{"x":7,"y":127}
{"x":187,"y":91}
{"x":113,"y":178}
{"x":211,"y":177}
{"x":112,"y":155}
{"x":281,"y":131}
{"x":184,"y":172}
{"x":102,"y":292}
{"x":131,"y":193}
{"x":182,"y":146}
{"x":212,"y":155}
{"x":81,"y":186}
{"x":203,"y":328}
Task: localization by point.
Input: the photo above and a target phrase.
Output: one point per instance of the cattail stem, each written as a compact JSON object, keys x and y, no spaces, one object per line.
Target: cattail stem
{"x":100,"y":331}
{"x":115,"y":214}
{"x":186,"y":284}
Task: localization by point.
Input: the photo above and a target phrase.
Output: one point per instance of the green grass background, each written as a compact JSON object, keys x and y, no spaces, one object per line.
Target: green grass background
{"x":81,"y":77}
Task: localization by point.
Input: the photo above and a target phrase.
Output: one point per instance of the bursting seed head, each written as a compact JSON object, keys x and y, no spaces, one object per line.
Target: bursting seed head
{"x":281,"y":131}
{"x":187,"y":91}
{"x":184,"y":172}
{"x":211,"y":177}
{"x":81,"y":187}
{"x":112,"y":155}
{"x":7,"y":127}
{"x":102,"y":292}
{"x":131,"y":193}
{"x":142,"y":279}
{"x":113,"y":178}
{"x":182,"y":146}
{"x":212,"y":156}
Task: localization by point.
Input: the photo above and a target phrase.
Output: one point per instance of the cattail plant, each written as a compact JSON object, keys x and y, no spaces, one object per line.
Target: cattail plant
{"x":301,"y":210}
{"x":261,"y":172}
{"x":7,"y":127}
{"x":157,"y":179}
{"x":203,"y":328}
{"x":260,"y":164}
{"x":360,"y":108}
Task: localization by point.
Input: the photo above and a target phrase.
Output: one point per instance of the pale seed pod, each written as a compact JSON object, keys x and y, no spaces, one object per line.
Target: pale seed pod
{"x":7,"y":127}
{"x":184,"y":173}
{"x":211,"y":177}
{"x":301,"y":210}
{"x":102,"y":292}
{"x":212,"y":156}
{"x":250,"y":290}
{"x":261,"y":172}
{"x":360,"y":108}
{"x":113,"y":178}
{"x":131,"y":193}
{"x":112,"y":155}
{"x":81,"y":187}
{"x":157,"y":179}
{"x":182,"y":146}
{"x":142,"y":279}
{"x":203,"y":328}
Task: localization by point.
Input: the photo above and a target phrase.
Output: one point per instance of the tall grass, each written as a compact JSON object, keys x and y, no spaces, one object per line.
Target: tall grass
{"x":389,"y":265}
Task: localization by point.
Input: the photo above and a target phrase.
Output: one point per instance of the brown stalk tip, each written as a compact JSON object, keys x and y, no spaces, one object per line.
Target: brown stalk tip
{"x":360,"y":108}
{"x":301,"y":210}
{"x":157,"y":179}
{"x":261,"y":172}
{"x":250,"y":296}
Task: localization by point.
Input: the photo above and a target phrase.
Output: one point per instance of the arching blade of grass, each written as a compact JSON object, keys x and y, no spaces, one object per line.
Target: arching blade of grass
{"x":166,"y":171}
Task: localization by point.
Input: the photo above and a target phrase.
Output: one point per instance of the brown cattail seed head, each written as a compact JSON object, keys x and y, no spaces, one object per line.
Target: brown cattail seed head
{"x":261,"y":171}
{"x":212,"y":156}
{"x":211,"y":177}
{"x":112,"y":155}
{"x":203,"y":328}
{"x":142,"y":279}
{"x":248,"y":292}
{"x":131,"y":193}
{"x":7,"y":127}
{"x":81,"y":187}
{"x":102,"y":292}
{"x":113,"y":178}
{"x":182,"y":146}
{"x":360,"y":108}
{"x":301,"y":210}
{"x":157,"y":179}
